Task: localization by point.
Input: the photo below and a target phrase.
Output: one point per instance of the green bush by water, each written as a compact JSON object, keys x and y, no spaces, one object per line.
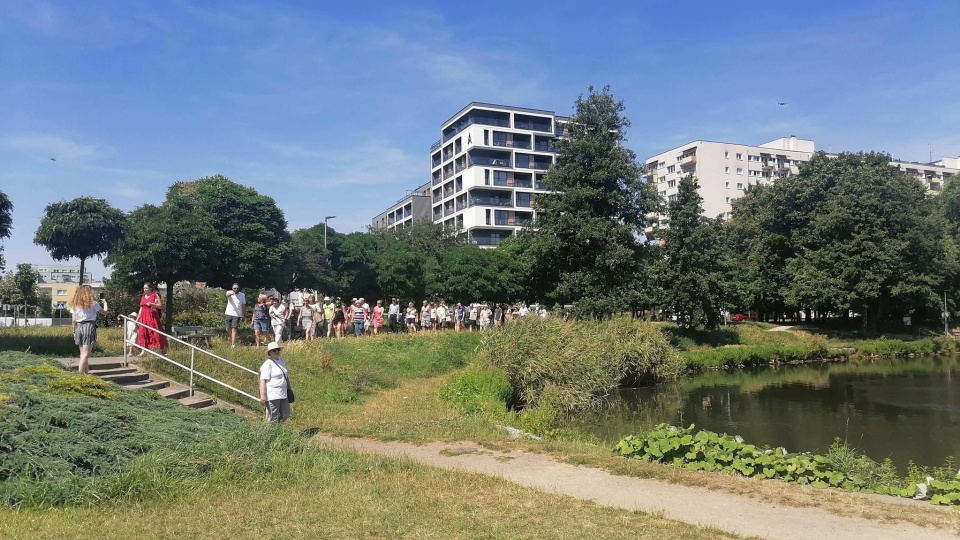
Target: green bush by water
{"x":571,"y":366}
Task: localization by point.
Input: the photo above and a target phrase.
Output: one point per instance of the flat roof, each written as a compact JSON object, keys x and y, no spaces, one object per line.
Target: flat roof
{"x":474,"y":104}
{"x":734,"y":144}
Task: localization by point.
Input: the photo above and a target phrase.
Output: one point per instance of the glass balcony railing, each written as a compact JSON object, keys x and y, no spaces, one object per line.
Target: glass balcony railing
{"x":512,"y":183}
{"x":486,"y":240}
{"x":513,"y":144}
{"x":457,"y":128}
{"x":496,"y":162}
{"x":512,"y":221}
{"x":545,"y":148}
{"x":436,"y":180}
{"x":490,"y":201}
{"x":460,"y":166}
{"x":461,"y":205}
{"x":533,"y":126}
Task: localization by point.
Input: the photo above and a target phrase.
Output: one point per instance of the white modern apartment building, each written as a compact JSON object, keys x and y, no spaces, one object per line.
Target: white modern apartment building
{"x":724,"y":170}
{"x":488,"y":168}
{"x":485,"y":172}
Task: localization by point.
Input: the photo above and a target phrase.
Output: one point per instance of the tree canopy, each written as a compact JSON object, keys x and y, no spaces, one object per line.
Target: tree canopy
{"x":589,"y":240}
{"x":690,"y":272}
{"x":84,"y":227}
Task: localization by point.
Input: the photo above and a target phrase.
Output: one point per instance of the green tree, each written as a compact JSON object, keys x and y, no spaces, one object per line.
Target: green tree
{"x":353,"y":261}
{"x":250,"y":244}
{"x":467,"y":274}
{"x":590,"y":227}
{"x":84,"y":227}
{"x":25,"y":280}
{"x":399,"y":268}
{"x":691,"y":272}
{"x":167,"y":244}
{"x":6,"y":222}
{"x":861,"y":231}
{"x":311,"y":262}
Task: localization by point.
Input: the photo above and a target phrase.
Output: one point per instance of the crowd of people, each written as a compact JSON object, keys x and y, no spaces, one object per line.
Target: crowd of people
{"x":276,"y":316}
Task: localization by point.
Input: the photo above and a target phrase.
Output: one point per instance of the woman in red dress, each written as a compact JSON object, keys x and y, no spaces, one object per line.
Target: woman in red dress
{"x":150,"y":311}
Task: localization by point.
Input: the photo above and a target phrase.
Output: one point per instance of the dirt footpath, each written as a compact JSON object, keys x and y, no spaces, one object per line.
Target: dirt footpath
{"x":703,"y":507}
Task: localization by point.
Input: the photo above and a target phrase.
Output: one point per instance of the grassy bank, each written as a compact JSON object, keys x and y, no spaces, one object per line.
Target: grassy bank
{"x":81,"y":455}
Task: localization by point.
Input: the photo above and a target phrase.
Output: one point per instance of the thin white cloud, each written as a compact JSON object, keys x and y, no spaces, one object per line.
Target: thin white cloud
{"x":373,"y":162}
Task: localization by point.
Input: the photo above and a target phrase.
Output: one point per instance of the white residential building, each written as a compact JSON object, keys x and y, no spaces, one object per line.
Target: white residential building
{"x":724,"y":170}
{"x":52,"y":273}
{"x":934,"y":174}
{"x":485,"y":171}
{"x":413,"y":207}
{"x":488,"y":167}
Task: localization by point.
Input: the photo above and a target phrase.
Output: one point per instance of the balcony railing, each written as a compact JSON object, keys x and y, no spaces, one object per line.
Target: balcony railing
{"x":496,"y":162}
{"x":435,"y":163}
{"x":457,"y":128}
{"x":513,"y":183}
{"x":486,"y":241}
{"x":490,"y":201}
{"x":512,"y":221}
{"x":512,"y":144}
{"x":447,"y":155}
{"x":540,"y":185}
{"x":436,"y":180}
{"x":533,"y":126}
{"x":461,"y":205}
{"x":435,"y":145}
{"x":540,"y":166}
{"x":459,"y":167}
{"x":545,"y":148}
{"x":447,"y":173}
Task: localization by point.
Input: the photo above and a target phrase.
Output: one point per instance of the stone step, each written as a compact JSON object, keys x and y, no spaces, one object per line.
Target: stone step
{"x":174,"y":391}
{"x":123,"y":378}
{"x":197,"y":401}
{"x":147,"y":385}
{"x":103,"y":372}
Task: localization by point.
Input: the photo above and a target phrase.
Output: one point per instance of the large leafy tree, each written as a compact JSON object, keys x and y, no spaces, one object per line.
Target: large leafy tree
{"x":691,"y":272}
{"x":251,"y":243}
{"x":25,"y":280}
{"x":84,"y":227}
{"x":467,"y":274}
{"x":311,"y":261}
{"x":862,"y":238}
{"x":6,"y":222}
{"x":589,"y":230}
{"x":166,"y":243}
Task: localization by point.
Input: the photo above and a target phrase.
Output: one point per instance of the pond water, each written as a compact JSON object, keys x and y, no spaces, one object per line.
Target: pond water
{"x":904,"y":409}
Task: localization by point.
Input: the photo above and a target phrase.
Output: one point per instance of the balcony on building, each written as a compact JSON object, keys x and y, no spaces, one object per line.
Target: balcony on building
{"x":436,"y":178}
{"x":482,"y":237}
{"x":477,"y":116}
{"x":491,"y":158}
{"x":511,"y":218}
{"x":438,"y":213}
{"x":460,"y":164}
{"x":533,"y":123}
{"x":461,"y":202}
{"x":543,"y":144}
{"x":435,"y":160}
{"x":539,"y":183}
{"x":511,"y":140}
{"x":529,"y":161}
{"x":448,"y":171}
{"x":512,"y":179}
{"x":488,"y":197}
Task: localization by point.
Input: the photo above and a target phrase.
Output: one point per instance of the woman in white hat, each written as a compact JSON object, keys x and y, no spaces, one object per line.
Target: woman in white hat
{"x":275,"y":391}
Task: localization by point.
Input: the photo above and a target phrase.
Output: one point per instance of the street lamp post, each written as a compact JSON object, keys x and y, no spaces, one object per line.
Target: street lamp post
{"x":325,"y":220}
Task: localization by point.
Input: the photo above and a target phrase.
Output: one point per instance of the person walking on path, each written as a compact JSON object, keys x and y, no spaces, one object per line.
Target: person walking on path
{"x":260,"y":320}
{"x":151,"y":311}
{"x":329,"y":310}
{"x":376,"y":319}
{"x":233,"y":314}
{"x":359,"y":317}
{"x":274,"y":382}
{"x":306,"y":317}
{"x":278,"y":318}
{"x":83,"y":315}
{"x":411,"y":318}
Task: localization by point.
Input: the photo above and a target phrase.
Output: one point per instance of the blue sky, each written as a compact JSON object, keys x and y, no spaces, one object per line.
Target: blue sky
{"x":331,"y":109}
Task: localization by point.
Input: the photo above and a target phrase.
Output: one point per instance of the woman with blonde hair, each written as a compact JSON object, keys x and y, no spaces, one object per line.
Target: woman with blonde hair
{"x":83,"y":313}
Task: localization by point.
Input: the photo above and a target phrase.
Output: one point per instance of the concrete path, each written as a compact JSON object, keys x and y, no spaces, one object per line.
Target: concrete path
{"x":780,"y":329}
{"x":729,"y":512}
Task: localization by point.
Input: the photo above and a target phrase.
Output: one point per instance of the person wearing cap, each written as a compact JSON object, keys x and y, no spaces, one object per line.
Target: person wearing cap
{"x":274,"y":381}
{"x":329,"y":308}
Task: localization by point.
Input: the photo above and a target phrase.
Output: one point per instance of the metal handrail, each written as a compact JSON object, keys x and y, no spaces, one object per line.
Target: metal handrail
{"x":129,"y":345}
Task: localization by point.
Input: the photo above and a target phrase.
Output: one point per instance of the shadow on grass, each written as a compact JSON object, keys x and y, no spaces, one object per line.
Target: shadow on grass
{"x":685,"y":338}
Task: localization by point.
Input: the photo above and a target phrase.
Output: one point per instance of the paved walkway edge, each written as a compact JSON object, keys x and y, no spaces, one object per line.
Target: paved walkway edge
{"x":702,"y":507}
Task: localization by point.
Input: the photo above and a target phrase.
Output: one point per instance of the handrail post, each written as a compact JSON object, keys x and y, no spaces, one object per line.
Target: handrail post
{"x":192,"y":356}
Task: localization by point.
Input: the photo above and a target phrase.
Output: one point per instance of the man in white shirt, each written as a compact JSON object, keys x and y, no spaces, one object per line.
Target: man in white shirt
{"x":394,"y":315}
{"x":236,"y":305}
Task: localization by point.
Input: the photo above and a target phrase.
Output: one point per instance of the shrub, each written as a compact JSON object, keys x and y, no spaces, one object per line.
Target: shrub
{"x":572,"y":366}
{"x":481,"y":388}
